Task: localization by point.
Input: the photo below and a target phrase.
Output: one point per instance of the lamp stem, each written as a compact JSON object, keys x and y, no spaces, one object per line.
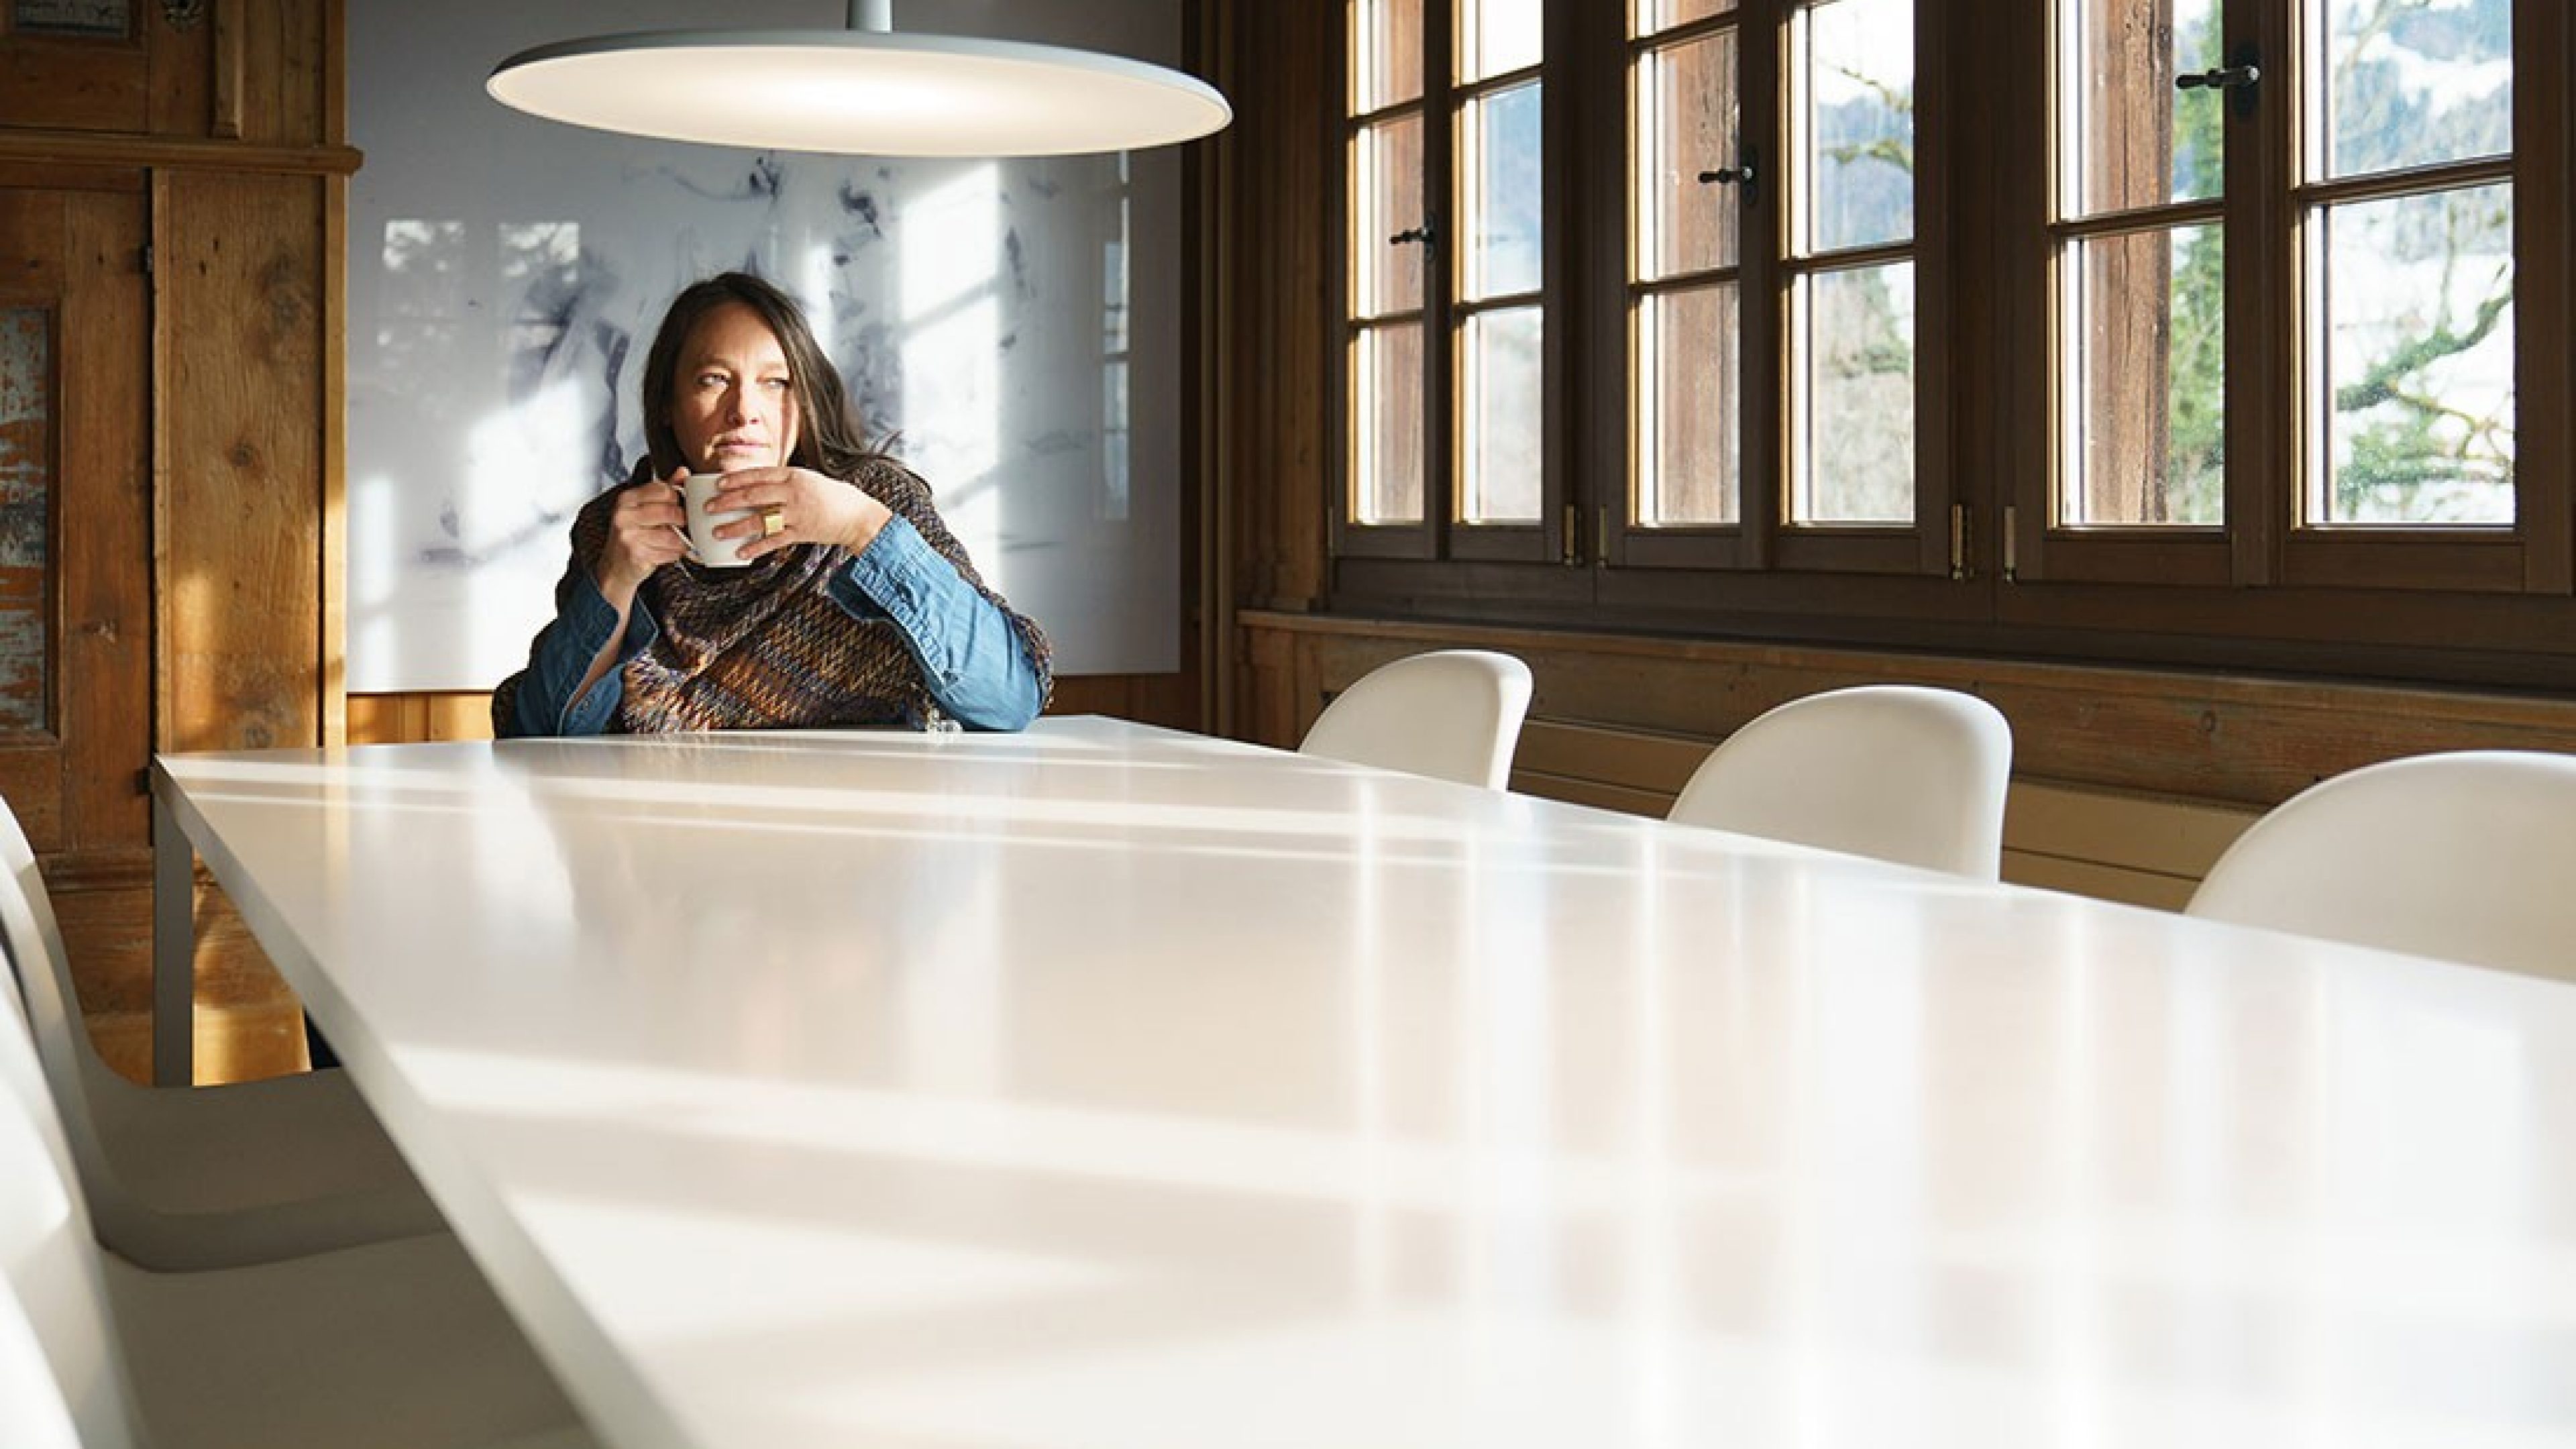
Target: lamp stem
{"x":872,"y":15}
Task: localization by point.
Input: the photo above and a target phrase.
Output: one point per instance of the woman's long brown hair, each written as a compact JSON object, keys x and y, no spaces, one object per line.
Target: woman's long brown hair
{"x":829,"y":438}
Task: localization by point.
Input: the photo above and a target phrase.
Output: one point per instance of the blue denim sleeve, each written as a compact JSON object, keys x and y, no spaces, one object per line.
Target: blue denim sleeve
{"x":562,"y":655}
{"x":968,"y":650}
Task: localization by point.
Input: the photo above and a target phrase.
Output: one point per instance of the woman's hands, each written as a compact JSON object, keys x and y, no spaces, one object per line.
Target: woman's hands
{"x":646,"y":529}
{"x":649,"y":528}
{"x":808,"y":507}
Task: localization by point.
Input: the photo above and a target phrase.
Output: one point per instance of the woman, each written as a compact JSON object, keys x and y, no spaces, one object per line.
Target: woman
{"x":858,"y":607}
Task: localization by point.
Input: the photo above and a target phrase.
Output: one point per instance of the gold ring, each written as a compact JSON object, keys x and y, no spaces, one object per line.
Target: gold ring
{"x":772,"y":523}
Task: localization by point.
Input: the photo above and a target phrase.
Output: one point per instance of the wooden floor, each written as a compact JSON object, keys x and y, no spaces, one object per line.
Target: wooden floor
{"x":234,"y":1043}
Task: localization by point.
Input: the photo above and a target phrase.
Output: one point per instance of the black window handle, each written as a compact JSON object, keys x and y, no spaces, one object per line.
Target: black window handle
{"x":1739,"y":174}
{"x":2241,"y":78}
{"x":1420,"y":234}
{"x":2219,"y":80}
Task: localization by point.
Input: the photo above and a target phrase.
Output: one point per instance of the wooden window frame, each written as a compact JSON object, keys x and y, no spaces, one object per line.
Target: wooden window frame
{"x":1991,"y":576}
{"x":2265,"y":544}
{"x":1443,"y":534}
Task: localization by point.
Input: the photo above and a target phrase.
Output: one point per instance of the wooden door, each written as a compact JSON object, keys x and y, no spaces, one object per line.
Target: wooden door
{"x":75,"y":500}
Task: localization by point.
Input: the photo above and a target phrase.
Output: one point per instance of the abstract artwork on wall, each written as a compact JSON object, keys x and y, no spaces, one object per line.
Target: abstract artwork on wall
{"x":1010,"y":327}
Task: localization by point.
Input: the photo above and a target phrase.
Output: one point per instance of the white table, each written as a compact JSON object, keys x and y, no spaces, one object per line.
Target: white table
{"x":1105,"y":1088}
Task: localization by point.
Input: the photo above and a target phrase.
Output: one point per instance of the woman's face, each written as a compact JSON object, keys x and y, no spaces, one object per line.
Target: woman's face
{"x":733,"y":403}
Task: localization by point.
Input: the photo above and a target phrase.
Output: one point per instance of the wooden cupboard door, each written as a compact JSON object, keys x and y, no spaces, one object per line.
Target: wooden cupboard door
{"x":75,"y":539}
{"x":75,"y":65}
{"x":139,"y":67}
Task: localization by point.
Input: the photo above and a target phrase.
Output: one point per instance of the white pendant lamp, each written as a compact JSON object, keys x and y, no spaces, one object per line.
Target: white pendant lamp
{"x":864,"y":91}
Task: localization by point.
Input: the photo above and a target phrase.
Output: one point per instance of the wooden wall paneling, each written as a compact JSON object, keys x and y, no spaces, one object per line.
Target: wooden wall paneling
{"x":73,"y":83}
{"x":1265,"y":687}
{"x":283,"y":87}
{"x":103,"y":518}
{"x":1169,"y":700}
{"x":241,"y":317}
{"x":332,"y":644}
{"x":1218,"y":166}
{"x":375,"y":719}
{"x":401,"y":719}
{"x":2545,"y":206}
{"x":182,"y":70}
{"x":241,"y":296}
{"x":460,"y":716}
{"x":2219,"y":739}
{"x":2115,"y":844}
{"x":1282,"y":295}
{"x":228,"y":98}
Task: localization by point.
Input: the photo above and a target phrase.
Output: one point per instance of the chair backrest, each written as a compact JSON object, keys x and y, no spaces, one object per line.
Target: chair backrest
{"x":33,"y":1412}
{"x":1894,"y":771}
{"x":2463,"y":856}
{"x":48,"y":1255}
{"x":1454,"y":714}
{"x":86,"y":1090}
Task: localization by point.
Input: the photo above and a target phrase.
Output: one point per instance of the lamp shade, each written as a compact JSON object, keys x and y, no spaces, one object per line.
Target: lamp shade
{"x":859,"y":92}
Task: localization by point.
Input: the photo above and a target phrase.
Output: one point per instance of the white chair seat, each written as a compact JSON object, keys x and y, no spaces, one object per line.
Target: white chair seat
{"x":1897,"y":772}
{"x":205,"y":1177}
{"x":390,"y":1345}
{"x":2462,"y":855}
{"x":1452,"y":714}
{"x":255,"y":1171}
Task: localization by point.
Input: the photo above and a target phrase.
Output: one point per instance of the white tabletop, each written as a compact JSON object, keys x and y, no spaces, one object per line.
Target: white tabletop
{"x":1105,"y":1088}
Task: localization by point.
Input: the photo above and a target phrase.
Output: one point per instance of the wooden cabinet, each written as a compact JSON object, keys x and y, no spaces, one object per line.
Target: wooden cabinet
{"x":173,"y":178}
{"x":75,"y":512}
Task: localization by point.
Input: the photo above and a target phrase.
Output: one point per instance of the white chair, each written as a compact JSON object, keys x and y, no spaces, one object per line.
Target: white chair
{"x":205,"y":1177}
{"x":33,"y":1412}
{"x":1894,"y":771}
{"x":2463,"y":856}
{"x":397,"y":1343}
{"x":1453,"y":714}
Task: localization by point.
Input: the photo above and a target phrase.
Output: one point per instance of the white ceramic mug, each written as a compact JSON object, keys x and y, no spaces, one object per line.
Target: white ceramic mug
{"x":714,"y":552}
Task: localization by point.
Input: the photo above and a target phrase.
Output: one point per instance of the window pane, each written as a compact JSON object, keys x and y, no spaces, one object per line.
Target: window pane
{"x":1686,"y":124}
{"x":1386,"y":436}
{"x":1499,"y":451}
{"x":1689,"y":465}
{"x":1650,"y":17}
{"x":1497,"y":36}
{"x":2147,"y":332}
{"x":1386,"y":53}
{"x":2139,"y":142}
{"x":1501,"y":175}
{"x":1859,"y":122}
{"x":26,"y":498}
{"x":2419,"y":359}
{"x":2411,"y":82}
{"x":1387,"y":190}
{"x":1855,"y":459}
